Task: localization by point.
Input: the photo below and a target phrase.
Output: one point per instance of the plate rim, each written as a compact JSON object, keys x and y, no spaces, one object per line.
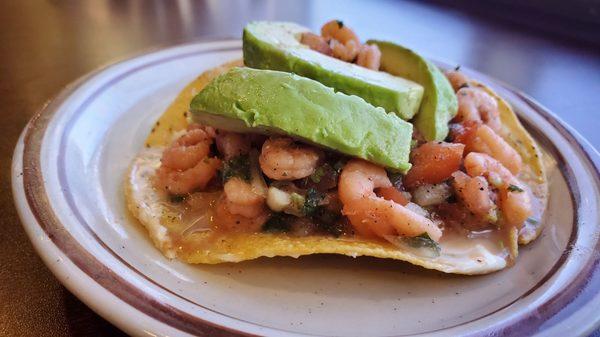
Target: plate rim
{"x":34,"y":131}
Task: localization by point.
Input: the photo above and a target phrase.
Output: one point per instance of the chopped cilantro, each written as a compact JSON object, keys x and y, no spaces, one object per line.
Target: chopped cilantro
{"x":318,"y":174}
{"x":313,"y":198}
{"x":423,"y":241}
{"x":278,"y":222}
{"x":514,"y":188}
{"x":532,"y":221}
{"x":236,"y":167}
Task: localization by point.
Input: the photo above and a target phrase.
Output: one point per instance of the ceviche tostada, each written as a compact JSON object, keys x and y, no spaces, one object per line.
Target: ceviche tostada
{"x":319,"y":143}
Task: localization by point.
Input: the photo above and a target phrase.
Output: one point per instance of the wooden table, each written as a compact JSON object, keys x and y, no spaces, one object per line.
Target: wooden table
{"x":44,"y":45}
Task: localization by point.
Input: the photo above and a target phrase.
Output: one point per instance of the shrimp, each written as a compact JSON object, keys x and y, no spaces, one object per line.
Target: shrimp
{"x":371,"y":215}
{"x":179,"y":182}
{"x":345,"y":51}
{"x":185,"y":165}
{"x":231,"y":144}
{"x":226,"y":219}
{"x":243,"y":199}
{"x":515,"y":202}
{"x":476,"y":104}
{"x":243,"y":204}
{"x":489,"y":142}
{"x":457,"y":79}
{"x":345,"y":44}
{"x":316,"y":43}
{"x":369,"y":56}
{"x":475,"y":194}
{"x":188,"y":149}
{"x":336,"y":30}
{"x":281,"y":159}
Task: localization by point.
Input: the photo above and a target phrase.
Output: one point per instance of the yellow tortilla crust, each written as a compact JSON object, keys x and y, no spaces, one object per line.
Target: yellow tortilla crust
{"x":236,"y":247}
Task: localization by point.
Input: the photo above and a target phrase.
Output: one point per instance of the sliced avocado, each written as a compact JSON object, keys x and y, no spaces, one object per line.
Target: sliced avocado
{"x":276,"y":46}
{"x":439,"y":104}
{"x":275,"y":102}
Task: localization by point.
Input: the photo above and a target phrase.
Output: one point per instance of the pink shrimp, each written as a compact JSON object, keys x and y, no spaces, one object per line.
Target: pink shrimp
{"x":371,"y":215}
{"x":515,"y":202}
{"x":476,"y":104}
{"x":474,"y":193}
{"x":369,"y":56}
{"x":282,"y":159}
{"x":457,"y":79}
{"x":344,"y":42}
{"x":489,"y":142}
{"x":185,"y":165}
{"x":231,"y":144}
{"x":316,"y":43}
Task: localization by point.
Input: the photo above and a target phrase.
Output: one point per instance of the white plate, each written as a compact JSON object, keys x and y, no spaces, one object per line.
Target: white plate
{"x":68,"y":171}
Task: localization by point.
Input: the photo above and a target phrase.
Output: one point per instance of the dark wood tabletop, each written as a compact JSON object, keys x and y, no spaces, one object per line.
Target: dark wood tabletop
{"x":44,"y":45}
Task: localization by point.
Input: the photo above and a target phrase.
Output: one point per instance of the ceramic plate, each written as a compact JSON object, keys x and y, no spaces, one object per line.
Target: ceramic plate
{"x":68,"y":173}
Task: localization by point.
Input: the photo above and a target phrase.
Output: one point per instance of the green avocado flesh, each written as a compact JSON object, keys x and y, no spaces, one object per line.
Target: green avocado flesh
{"x":276,"y":46}
{"x":439,"y":104}
{"x":274,"y":102}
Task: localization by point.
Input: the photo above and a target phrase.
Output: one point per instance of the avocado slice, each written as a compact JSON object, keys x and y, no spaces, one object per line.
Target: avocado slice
{"x":276,"y":46}
{"x":275,"y":102}
{"x":439,"y":104}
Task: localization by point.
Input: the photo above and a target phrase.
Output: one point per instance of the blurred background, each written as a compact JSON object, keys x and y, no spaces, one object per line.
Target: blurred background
{"x":548,"y":49}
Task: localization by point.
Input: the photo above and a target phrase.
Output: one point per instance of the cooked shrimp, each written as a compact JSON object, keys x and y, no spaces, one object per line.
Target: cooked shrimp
{"x":316,"y":43}
{"x":474,"y":193}
{"x":336,"y":30}
{"x":243,"y":205}
{"x":188,"y":149}
{"x":243,"y":198}
{"x":226,"y":219}
{"x":345,"y":44}
{"x":232,"y":144}
{"x":487,"y":141}
{"x":185,"y":165}
{"x":281,"y":159}
{"x":476,"y":104}
{"x":371,"y":215}
{"x":345,"y":51}
{"x":457,"y":79}
{"x":369,"y":56}
{"x":179,"y":182}
{"x":515,"y":202}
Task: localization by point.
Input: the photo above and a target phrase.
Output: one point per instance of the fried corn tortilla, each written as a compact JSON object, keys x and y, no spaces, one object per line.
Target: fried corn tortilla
{"x":176,"y":238}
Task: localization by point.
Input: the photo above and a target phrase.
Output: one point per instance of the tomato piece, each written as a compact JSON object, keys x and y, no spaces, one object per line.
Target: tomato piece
{"x":464,"y":133}
{"x":393,"y":194}
{"x":433,"y":162}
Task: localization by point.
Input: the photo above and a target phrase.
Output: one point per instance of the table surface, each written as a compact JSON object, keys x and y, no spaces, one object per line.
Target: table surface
{"x":44,"y":45}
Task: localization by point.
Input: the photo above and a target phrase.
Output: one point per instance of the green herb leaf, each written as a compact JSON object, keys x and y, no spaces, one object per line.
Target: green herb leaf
{"x":236,"y":167}
{"x":424,"y":241}
{"x":313,"y":198}
{"x":318,"y":174}
{"x":515,"y":188}
{"x":278,"y":223}
{"x":532,"y":221}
